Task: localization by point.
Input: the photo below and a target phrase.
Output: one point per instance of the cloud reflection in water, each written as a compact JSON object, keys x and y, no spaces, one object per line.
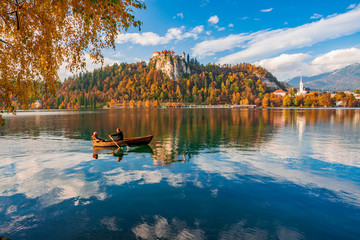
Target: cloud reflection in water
{"x":162,"y":228}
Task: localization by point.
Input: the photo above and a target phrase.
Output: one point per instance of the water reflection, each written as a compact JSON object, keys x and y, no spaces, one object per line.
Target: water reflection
{"x":243,"y":173}
{"x":182,"y":130}
{"x":162,"y":228}
{"x":163,"y":156}
{"x":119,"y":153}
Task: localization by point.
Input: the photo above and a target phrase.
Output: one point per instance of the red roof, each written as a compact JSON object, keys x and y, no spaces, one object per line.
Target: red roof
{"x":280,"y":91}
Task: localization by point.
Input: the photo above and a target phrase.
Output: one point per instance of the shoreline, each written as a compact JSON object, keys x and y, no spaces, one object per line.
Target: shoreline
{"x":181,"y":107}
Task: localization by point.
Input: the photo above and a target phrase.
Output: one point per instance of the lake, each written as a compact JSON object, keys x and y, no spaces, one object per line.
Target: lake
{"x":207,"y":174}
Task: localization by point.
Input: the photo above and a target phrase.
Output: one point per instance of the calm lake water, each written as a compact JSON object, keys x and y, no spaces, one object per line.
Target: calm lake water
{"x":207,"y":174}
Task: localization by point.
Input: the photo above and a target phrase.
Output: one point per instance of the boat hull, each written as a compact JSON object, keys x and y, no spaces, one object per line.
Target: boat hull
{"x":125,"y":142}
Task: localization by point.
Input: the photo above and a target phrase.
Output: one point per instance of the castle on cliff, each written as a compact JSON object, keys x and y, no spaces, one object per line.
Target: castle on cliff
{"x":168,"y":52}
{"x":171,"y":64}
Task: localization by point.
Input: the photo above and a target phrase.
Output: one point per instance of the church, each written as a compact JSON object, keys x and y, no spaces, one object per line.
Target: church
{"x":302,"y":89}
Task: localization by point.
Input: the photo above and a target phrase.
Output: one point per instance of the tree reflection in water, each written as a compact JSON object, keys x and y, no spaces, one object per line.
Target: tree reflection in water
{"x":160,"y":157}
{"x":179,"y":134}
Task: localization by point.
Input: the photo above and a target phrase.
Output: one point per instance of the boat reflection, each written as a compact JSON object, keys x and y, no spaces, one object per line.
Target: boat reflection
{"x":116,"y":150}
{"x":121,"y":152}
{"x":161,"y":156}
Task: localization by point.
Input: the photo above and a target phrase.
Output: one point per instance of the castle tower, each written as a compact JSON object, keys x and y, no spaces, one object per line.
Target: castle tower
{"x":155,"y":54}
{"x":183,"y":55}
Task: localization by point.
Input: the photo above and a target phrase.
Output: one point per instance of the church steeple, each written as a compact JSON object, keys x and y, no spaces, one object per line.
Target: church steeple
{"x":301,"y":87}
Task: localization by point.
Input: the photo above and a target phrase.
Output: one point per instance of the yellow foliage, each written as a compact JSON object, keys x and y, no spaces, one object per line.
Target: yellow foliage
{"x":37,"y":37}
{"x":156,"y":104}
{"x":112,"y":103}
{"x":139,"y":104}
{"x":244,"y":101}
{"x":147,"y":104}
{"x":265,"y":102}
{"x":286,"y":101}
{"x":132,"y":104}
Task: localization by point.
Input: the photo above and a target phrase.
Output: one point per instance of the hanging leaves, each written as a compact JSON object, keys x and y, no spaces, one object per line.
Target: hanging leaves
{"x":37,"y":37}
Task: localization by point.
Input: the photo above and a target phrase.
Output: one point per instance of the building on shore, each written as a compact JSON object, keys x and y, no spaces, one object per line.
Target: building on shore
{"x":280,"y":92}
{"x":302,"y":89}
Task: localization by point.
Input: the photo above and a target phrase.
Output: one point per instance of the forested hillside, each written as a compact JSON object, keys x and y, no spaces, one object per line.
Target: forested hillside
{"x":210,"y":84}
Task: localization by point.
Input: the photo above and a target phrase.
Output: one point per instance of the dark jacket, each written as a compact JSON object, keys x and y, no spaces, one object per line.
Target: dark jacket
{"x":118,"y":136}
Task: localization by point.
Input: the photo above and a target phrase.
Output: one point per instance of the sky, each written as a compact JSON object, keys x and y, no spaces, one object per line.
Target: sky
{"x":288,"y":38}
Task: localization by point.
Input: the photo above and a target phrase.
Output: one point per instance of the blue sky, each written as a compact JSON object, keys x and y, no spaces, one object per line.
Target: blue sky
{"x":288,"y":38}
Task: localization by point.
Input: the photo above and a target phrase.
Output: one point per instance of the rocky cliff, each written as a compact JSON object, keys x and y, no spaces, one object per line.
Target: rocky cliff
{"x":169,"y":63}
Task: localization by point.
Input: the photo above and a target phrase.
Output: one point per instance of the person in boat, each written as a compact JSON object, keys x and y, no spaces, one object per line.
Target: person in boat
{"x":96,"y":138}
{"x":118,"y":135}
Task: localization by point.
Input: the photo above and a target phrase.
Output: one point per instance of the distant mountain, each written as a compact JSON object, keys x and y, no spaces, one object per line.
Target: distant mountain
{"x":347,"y":78}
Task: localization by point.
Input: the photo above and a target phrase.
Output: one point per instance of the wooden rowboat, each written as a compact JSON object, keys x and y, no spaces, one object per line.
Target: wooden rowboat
{"x":125,"y":142}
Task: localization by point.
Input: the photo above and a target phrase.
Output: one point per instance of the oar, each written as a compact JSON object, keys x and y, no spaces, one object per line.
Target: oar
{"x":114,"y":141}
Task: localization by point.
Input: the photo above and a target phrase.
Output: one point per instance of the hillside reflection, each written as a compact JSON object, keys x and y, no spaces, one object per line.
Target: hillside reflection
{"x":239,"y":172}
{"x":179,"y":133}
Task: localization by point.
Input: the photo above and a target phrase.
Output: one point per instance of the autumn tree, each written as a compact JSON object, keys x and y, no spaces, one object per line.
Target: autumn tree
{"x":350,"y":100}
{"x":136,"y":81}
{"x":325,"y":100}
{"x":139,"y":104}
{"x":286,"y":101}
{"x":37,"y":37}
{"x":132,"y":104}
{"x":156,"y":104}
{"x":266,"y":100}
{"x":276,"y":100}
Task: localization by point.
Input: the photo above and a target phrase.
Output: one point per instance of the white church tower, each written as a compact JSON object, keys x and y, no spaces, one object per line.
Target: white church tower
{"x":301,"y":87}
{"x":302,"y":90}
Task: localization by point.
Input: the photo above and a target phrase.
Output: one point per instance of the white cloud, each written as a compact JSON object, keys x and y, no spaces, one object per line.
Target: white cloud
{"x":272,"y":42}
{"x":198,"y":29}
{"x":352,"y":6}
{"x":214,"y":19}
{"x":90,"y":65}
{"x":210,"y":47}
{"x":332,"y":15}
{"x":139,"y":60}
{"x":231,"y":25}
{"x":180,"y":15}
{"x":337,"y":59}
{"x":266,"y":10}
{"x":288,"y":66}
{"x":118,"y":55}
{"x":150,"y":38}
{"x":221,"y":29}
{"x":316,"y":16}
{"x":204,"y":3}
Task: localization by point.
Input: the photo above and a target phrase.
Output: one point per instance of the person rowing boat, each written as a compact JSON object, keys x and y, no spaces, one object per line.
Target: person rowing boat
{"x":118,"y":136}
{"x":125,"y":142}
{"x":118,"y":140}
